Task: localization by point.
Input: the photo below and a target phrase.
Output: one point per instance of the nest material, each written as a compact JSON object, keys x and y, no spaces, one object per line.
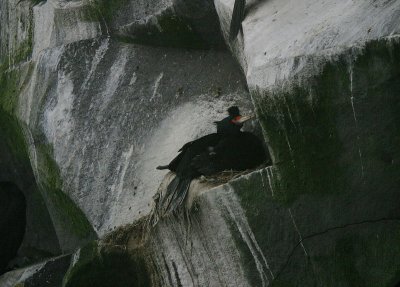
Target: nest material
{"x":162,"y":199}
{"x":226,"y":175}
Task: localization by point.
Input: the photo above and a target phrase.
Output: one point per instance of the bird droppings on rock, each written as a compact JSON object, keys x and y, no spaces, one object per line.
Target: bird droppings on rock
{"x":81,"y":139}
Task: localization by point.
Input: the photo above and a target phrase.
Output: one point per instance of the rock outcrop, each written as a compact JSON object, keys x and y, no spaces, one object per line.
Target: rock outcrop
{"x":95,"y":94}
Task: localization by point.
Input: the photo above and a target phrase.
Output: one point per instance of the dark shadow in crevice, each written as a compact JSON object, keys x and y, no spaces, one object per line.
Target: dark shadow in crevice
{"x":20,"y":196}
{"x":187,"y":24}
{"x":252,"y":5}
{"x":12,"y":222}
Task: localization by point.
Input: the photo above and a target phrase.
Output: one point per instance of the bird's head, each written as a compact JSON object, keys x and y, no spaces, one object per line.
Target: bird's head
{"x":237,"y":118}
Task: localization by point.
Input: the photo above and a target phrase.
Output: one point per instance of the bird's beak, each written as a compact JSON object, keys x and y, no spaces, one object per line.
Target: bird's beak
{"x":244,"y":119}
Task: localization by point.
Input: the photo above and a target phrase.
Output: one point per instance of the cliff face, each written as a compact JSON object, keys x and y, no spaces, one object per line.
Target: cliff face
{"x":95,"y":94}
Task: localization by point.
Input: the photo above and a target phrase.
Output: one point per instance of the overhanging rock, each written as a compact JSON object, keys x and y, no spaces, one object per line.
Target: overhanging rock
{"x":99,"y":114}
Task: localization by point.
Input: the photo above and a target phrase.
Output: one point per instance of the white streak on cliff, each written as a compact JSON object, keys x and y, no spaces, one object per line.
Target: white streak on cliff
{"x":75,"y":257}
{"x":58,"y":121}
{"x":205,"y":254}
{"x":279,"y":35}
{"x":133,"y":79}
{"x":100,"y":52}
{"x":115,"y":77}
{"x":156,"y":86}
{"x":47,"y":61}
{"x":355,"y":119}
{"x":118,"y":211}
{"x":43,"y":28}
{"x":270,"y":174}
{"x":13,"y":278}
{"x":298,"y":232}
{"x":126,"y":156}
{"x":57,"y":23}
{"x":236,"y":213}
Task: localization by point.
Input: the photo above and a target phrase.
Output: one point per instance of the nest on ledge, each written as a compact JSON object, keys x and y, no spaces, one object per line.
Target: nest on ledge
{"x":226,"y":175}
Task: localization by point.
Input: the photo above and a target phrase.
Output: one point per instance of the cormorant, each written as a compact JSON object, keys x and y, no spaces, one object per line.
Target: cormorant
{"x":237,"y":18}
{"x":229,"y":148}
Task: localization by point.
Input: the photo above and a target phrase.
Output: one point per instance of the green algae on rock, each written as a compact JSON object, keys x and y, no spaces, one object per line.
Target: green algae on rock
{"x":99,"y":265}
{"x":319,"y":132}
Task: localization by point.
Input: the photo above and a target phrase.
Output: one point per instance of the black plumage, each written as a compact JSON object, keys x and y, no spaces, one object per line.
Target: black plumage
{"x":228,"y":149}
{"x":185,"y":170}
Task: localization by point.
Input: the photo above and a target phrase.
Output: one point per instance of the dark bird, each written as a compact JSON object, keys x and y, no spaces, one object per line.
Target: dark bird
{"x":229,"y":148}
{"x":237,"y":18}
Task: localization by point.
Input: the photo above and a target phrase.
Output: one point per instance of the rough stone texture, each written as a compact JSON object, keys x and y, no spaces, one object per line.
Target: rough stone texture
{"x":15,"y":48}
{"x":210,"y":246}
{"x":106,"y":265}
{"x":98,"y":112}
{"x":341,"y":245}
{"x":282,"y":39}
{"x":16,"y":31}
{"x":58,"y":23}
{"x":40,"y":238}
{"x":174,"y":23}
{"x":17,"y":68}
{"x":323,"y":82}
{"x":49,"y":273}
{"x":117,"y":111}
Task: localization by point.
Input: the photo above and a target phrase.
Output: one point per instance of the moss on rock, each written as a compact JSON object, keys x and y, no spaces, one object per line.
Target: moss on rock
{"x":64,"y":212}
{"x":247,"y":260}
{"x":166,"y":29}
{"x":107,"y":9}
{"x":325,"y":135}
{"x":334,"y":142}
{"x":12,"y":81}
{"x":63,"y":209}
{"x":107,"y":266}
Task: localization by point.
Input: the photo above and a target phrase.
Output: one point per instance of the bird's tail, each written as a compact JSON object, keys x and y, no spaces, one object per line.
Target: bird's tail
{"x":175,"y":195}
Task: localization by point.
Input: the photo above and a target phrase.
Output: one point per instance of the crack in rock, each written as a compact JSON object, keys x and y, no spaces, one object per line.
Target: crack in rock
{"x":324,"y":232}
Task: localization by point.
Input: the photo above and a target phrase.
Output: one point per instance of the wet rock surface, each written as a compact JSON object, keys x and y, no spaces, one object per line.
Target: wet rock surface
{"x":47,"y":273}
{"x":96,"y":94}
{"x":22,"y":198}
{"x":181,"y":24}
